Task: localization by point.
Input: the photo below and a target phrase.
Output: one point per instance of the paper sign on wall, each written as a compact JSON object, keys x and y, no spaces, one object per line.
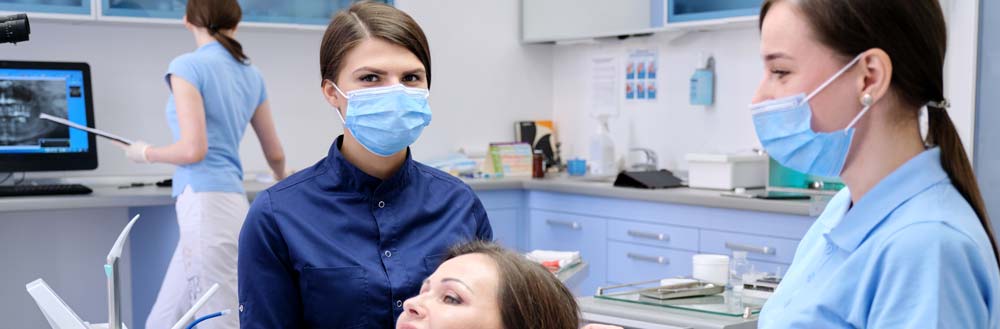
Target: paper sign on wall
{"x":604,"y":86}
{"x":640,"y":75}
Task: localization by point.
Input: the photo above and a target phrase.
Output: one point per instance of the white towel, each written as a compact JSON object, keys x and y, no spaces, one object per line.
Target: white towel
{"x":565,"y":258}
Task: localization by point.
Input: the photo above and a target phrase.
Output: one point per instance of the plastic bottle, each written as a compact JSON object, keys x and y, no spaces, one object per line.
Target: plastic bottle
{"x":738,"y":270}
{"x":602,"y":149}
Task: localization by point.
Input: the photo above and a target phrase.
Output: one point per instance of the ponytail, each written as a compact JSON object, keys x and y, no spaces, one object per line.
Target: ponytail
{"x":956,"y":163}
{"x":848,"y":28}
{"x":218,"y":15}
{"x":232,"y":46}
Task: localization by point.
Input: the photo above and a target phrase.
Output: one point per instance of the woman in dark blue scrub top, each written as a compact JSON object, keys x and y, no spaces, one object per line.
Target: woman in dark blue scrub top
{"x":343,"y":243}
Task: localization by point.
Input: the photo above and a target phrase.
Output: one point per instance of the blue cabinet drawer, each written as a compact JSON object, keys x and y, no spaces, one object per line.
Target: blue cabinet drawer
{"x":633,"y":263}
{"x":570,"y":232}
{"x":768,"y":249}
{"x":501,"y":199}
{"x":682,"y":215}
{"x":506,"y":229}
{"x":654,"y":235}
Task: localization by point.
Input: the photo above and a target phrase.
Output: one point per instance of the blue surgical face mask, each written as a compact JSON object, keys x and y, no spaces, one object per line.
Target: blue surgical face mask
{"x":784,"y":127}
{"x":385,"y":120}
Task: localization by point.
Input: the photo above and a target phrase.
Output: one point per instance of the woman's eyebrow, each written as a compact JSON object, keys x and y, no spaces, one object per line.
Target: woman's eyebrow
{"x":415,"y":71}
{"x":459,"y":282}
{"x":369,"y":69}
{"x":776,"y":56}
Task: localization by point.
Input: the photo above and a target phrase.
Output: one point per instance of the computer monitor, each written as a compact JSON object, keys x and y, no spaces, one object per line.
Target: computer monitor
{"x":28,"y":143}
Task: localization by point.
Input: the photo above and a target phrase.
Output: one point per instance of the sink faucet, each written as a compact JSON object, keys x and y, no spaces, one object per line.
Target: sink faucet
{"x":649,"y":164}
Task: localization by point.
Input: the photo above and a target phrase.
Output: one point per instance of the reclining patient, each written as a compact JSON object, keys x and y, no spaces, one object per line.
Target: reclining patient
{"x":483,"y":285}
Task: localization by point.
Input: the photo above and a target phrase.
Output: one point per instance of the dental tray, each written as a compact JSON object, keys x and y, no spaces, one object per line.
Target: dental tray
{"x":694,"y":289}
{"x":695,"y":296}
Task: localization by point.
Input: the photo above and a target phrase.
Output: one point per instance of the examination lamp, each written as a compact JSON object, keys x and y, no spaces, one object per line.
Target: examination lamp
{"x":14,"y":28}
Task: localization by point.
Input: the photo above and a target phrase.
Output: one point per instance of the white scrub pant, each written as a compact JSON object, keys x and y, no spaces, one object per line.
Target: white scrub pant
{"x":206,"y":253}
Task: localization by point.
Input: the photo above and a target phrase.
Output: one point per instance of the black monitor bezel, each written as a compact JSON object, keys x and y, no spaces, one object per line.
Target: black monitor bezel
{"x":55,"y":161}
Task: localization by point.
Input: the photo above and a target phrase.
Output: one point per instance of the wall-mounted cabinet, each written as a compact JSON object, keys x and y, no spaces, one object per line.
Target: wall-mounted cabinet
{"x":554,"y":20}
{"x":49,"y":7}
{"x":308,"y":13}
{"x":165,"y":9}
{"x":568,"y":20}
{"x":680,"y":11}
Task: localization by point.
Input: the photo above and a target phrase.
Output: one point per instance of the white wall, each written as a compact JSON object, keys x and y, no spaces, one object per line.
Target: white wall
{"x":669,"y":125}
{"x":483,"y":80}
{"x":672,"y":127}
{"x":961,"y":65}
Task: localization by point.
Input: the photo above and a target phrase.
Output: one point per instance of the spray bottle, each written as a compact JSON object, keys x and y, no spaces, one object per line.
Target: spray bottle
{"x":602,"y":149}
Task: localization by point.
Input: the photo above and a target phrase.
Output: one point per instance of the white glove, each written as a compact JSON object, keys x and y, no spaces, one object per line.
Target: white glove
{"x":137,"y":152}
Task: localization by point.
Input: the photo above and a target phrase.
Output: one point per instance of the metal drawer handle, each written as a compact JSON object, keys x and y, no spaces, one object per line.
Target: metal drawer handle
{"x":648,"y":235}
{"x":763,"y":250}
{"x":651,"y":259}
{"x":566,"y":223}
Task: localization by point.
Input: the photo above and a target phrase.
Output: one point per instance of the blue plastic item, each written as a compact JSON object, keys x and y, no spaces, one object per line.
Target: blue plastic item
{"x":576,"y":167}
{"x":213,"y":315}
{"x":703,"y":85}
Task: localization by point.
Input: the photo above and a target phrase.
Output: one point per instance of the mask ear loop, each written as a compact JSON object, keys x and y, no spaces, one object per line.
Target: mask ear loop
{"x":833,"y":78}
{"x":867,"y":100}
{"x":338,"y":89}
{"x":341,"y":116}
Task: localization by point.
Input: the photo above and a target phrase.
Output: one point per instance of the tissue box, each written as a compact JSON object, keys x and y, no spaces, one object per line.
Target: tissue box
{"x":727,"y":171}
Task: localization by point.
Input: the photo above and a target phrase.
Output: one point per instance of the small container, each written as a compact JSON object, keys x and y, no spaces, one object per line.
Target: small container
{"x":711,"y":268}
{"x":576,"y":167}
{"x":739,"y":269}
{"x":726,"y":171}
{"x":538,"y":164}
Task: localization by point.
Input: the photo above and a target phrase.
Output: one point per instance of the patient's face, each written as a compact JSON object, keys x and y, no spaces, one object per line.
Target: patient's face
{"x":462,"y":293}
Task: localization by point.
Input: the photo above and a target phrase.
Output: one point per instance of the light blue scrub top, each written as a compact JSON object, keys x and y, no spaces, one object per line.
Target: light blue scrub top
{"x":231,"y":92}
{"x":910,"y":254}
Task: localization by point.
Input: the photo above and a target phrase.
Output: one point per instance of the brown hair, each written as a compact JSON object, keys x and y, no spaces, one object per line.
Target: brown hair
{"x":216,"y":15}
{"x":365,"y":20}
{"x":914,"y":35}
{"x":530,"y":297}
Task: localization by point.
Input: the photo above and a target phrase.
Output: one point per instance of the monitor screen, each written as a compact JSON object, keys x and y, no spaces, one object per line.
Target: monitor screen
{"x":28,"y":143}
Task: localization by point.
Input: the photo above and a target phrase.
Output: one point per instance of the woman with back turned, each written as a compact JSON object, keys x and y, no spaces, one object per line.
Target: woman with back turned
{"x":214,"y":94}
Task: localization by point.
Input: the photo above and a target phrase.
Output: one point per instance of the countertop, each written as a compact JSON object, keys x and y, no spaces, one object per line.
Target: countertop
{"x":105,"y":196}
{"x":645,"y":316}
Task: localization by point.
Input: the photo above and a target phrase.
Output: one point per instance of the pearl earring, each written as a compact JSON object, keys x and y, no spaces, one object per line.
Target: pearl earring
{"x":867,"y":100}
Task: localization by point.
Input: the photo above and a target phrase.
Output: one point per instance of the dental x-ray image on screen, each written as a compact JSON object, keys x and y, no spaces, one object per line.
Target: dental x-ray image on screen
{"x":29,"y":90}
{"x":22,"y":101}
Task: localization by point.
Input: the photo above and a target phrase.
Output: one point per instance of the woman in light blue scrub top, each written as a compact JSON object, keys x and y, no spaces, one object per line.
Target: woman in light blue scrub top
{"x":214,"y":95}
{"x":908,"y":243}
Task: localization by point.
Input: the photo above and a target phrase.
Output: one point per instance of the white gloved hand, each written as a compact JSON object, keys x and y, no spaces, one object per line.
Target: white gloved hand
{"x":137,"y":152}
